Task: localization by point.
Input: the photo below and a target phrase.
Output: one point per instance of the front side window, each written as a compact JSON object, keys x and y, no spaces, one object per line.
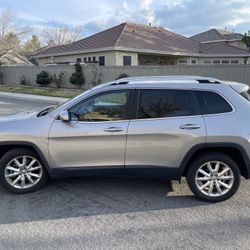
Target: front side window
{"x":212,"y":103}
{"x":164,"y":103}
{"x":108,"y":106}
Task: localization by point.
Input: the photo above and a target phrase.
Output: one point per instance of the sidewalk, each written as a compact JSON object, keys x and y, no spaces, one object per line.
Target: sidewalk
{"x":37,"y":98}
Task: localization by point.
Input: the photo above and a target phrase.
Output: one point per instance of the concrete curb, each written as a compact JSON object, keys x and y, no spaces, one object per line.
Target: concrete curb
{"x":37,"y":98}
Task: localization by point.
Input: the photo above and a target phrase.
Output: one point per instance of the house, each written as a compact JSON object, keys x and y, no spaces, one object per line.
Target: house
{"x":13,"y":59}
{"x":130,"y":44}
{"x":218,"y":35}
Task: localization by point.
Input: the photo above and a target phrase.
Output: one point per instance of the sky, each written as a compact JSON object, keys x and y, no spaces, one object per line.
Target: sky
{"x":186,"y":17}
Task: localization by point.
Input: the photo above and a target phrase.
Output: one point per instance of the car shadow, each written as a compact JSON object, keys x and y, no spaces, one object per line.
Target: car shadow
{"x":77,"y":197}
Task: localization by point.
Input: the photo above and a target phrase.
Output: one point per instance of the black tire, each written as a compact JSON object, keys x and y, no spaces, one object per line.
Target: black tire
{"x":11,"y":155}
{"x":210,"y":157}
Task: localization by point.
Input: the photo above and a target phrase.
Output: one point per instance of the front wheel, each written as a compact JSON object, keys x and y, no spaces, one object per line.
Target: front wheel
{"x":214,"y":177}
{"x":22,"y":171}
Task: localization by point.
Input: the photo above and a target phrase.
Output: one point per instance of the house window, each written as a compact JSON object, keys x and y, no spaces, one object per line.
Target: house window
{"x":234,"y":61}
{"x":216,"y":61}
{"x":85,"y":59}
{"x":78,"y":60}
{"x":206,"y":61}
{"x":94,"y":59}
{"x":89,"y":59}
{"x":127,"y":60}
{"x":225,"y":61}
{"x":193,"y":61}
{"x":182,"y":62}
{"x":102,"y":60}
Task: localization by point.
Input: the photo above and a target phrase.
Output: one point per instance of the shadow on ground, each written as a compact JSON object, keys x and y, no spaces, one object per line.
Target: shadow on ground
{"x":92,"y":196}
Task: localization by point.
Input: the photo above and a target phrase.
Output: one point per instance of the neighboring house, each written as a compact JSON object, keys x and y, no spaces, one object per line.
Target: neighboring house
{"x":218,"y":35}
{"x":130,"y":44}
{"x":13,"y":59}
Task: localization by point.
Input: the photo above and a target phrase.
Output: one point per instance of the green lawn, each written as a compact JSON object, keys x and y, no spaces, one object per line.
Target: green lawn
{"x":68,"y":93}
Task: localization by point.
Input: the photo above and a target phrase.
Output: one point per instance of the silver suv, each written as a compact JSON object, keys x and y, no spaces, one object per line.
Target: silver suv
{"x":155,"y":127}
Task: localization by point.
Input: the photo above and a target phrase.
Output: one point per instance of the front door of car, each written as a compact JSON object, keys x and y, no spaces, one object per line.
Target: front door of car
{"x":95,"y":136}
{"x":168,"y":125}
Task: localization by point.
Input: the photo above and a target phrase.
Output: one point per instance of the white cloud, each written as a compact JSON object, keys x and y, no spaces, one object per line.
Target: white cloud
{"x":182,"y":16}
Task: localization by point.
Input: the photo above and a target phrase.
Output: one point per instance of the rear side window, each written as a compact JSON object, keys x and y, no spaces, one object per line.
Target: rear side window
{"x":164,"y":103}
{"x":212,"y":103}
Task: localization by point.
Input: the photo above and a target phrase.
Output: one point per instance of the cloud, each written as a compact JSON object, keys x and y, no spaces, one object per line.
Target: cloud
{"x":187,"y":17}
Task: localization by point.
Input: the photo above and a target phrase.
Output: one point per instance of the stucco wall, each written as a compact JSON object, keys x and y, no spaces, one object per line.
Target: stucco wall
{"x":12,"y":75}
{"x":200,"y":61}
{"x":119,"y":58}
{"x":110,"y":58}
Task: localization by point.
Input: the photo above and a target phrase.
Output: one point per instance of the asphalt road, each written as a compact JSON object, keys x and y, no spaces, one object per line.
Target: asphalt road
{"x":102,"y":213}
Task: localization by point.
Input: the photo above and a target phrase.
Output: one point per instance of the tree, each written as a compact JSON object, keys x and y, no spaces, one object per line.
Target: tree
{"x":32,"y":45}
{"x":77,"y":77}
{"x":10,"y":32}
{"x":58,"y":34}
{"x":246,"y":40}
{"x":9,"y":24}
{"x":9,"y":43}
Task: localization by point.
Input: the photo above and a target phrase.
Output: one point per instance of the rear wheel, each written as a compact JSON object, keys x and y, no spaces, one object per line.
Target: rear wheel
{"x":22,"y":171}
{"x":214,"y":177}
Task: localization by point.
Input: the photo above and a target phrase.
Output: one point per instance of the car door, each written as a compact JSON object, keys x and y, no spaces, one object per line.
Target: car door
{"x":168,"y":125}
{"x":95,"y":137}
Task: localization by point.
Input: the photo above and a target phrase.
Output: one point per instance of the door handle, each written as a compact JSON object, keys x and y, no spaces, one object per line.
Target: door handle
{"x":113,"y":129}
{"x":190,"y":126}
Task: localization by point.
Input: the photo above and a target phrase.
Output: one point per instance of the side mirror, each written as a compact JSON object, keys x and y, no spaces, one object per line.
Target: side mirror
{"x":64,"y":116}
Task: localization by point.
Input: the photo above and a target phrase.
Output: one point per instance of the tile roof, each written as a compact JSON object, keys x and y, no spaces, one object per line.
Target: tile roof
{"x":104,"y":39}
{"x":9,"y":59}
{"x":216,"y":35}
{"x":221,"y":48}
{"x":138,"y":38}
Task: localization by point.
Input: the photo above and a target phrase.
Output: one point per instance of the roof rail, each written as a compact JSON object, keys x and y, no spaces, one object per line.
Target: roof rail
{"x":200,"y":79}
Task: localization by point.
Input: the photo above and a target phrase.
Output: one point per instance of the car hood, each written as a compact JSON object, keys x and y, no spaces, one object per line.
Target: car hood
{"x":23,"y":115}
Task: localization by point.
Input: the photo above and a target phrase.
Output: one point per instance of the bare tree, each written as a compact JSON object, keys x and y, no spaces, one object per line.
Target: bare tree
{"x":9,"y":24}
{"x":58,"y":34}
{"x":10,"y":32}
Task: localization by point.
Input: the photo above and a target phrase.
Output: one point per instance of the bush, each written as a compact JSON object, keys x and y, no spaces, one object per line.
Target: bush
{"x":57,"y":80}
{"x":122,"y":75}
{"x":43,"y":78}
{"x":23,"y":80}
{"x":77,"y":77}
{"x":1,"y":78}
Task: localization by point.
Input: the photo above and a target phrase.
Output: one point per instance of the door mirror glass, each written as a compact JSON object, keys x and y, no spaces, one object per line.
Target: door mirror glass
{"x":64,"y":116}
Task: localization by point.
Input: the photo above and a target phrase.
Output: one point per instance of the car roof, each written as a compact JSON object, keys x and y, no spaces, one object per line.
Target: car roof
{"x":171,"y":81}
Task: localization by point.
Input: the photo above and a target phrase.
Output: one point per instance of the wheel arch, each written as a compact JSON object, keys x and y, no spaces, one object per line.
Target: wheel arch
{"x":233,"y":150}
{"x":7,"y":146}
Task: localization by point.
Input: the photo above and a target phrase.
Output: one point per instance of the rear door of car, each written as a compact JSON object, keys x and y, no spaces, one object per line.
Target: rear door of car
{"x":168,"y":125}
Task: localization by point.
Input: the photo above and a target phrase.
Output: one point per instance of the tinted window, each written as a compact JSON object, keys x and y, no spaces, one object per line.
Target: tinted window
{"x":127,"y":60}
{"x":212,"y":103}
{"x":102,"y":60}
{"x":164,"y":103}
{"x":109,"y":106}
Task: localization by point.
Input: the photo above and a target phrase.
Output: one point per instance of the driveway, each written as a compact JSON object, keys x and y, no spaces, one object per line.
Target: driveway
{"x":106,"y":213}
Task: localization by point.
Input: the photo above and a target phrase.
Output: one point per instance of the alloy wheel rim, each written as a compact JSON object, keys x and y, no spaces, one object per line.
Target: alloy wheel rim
{"x":214,"y":178}
{"x":23,"y":172}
